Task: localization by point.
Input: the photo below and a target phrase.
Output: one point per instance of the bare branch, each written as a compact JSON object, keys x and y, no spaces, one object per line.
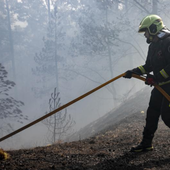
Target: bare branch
{"x":142,"y":6}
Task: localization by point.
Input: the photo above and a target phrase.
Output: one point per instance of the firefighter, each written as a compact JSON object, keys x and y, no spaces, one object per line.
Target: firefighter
{"x":157,"y":62}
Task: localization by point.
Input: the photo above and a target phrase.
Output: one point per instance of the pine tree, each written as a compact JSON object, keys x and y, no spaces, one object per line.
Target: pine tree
{"x":9,"y":107}
{"x":59,"y":124}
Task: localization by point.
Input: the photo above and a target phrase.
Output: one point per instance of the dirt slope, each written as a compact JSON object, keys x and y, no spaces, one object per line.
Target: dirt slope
{"x":108,"y":150}
{"x":136,"y":103}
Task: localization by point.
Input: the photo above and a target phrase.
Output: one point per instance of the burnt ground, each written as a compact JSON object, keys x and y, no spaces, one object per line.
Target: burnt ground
{"x":108,"y":150}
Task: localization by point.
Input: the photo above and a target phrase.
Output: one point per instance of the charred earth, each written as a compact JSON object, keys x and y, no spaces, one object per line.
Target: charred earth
{"x":108,"y":150}
{"x":104,"y":144}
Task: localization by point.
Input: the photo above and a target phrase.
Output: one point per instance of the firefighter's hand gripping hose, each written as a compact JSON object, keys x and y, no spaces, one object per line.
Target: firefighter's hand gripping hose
{"x":79,"y":98}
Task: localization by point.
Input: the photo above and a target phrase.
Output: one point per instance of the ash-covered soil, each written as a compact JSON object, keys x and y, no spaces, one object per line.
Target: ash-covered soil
{"x":108,"y":150}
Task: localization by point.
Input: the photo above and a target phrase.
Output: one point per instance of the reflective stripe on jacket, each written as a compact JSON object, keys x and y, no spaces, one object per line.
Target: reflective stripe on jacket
{"x":158,"y":60}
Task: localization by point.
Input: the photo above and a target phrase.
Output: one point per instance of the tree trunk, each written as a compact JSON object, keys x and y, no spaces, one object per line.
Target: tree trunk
{"x":49,"y":11}
{"x":56,"y":56}
{"x":126,"y":5}
{"x":110,"y":62}
{"x":11,"y":41}
{"x":154,"y":6}
{"x":116,"y":5}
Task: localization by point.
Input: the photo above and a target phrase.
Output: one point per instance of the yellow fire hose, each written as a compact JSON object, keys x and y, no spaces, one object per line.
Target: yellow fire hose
{"x":77,"y":99}
{"x":156,"y":86}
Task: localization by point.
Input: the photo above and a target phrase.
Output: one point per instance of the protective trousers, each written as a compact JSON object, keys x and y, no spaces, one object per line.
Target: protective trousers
{"x":158,"y":106}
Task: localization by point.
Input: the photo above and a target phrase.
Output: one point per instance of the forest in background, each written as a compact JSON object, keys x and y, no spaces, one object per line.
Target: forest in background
{"x":55,"y":50}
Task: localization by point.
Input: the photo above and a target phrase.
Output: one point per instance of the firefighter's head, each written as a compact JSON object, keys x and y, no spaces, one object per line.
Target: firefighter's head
{"x":151,"y":24}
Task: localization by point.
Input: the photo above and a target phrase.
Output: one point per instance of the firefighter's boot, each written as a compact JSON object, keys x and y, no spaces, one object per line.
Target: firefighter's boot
{"x":146,"y":144}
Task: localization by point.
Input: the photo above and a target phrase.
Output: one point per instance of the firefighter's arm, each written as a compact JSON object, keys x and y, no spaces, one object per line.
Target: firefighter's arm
{"x":146,"y":68}
{"x":139,"y":71}
{"x":143,"y":69}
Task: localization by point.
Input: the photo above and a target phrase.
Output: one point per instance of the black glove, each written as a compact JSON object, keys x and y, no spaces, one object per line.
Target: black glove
{"x":150,"y":80}
{"x":128,"y":74}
